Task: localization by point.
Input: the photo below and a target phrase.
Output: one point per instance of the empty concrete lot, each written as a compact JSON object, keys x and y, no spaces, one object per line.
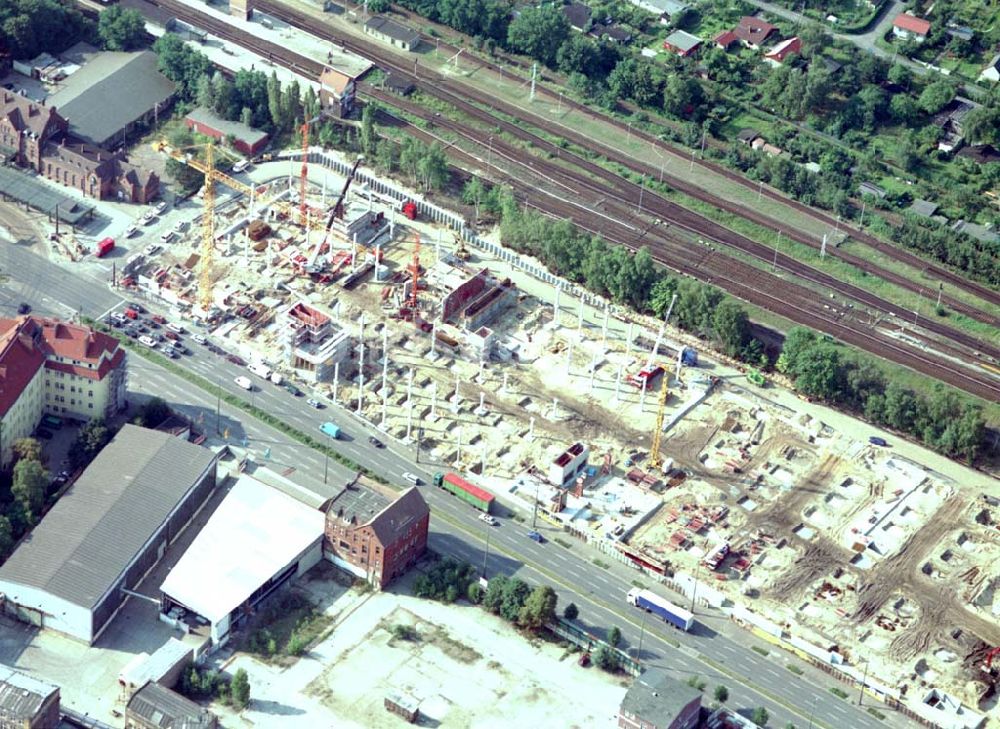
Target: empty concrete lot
{"x":464,"y":667}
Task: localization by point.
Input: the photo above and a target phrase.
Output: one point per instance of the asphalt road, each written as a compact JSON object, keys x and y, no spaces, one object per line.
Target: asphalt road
{"x":752,"y":678}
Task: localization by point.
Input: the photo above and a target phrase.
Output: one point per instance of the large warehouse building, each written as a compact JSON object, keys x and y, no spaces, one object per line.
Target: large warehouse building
{"x":106,"y":532}
{"x":256,"y":540}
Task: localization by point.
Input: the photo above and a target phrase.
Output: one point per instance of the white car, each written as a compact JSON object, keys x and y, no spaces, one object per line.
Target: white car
{"x":241,"y":165}
{"x":244,"y":382}
{"x":491,"y":520}
{"x":153,"y":248}
{"x":147,"y":340}
{"x":161,"y":206}
{"x":131,"y":230}
{"x":199,"y":339}
{"x":148,"y":218}
{"x":168,"y":236}
{"x":415,"y":480}
{"x":175,"y":328}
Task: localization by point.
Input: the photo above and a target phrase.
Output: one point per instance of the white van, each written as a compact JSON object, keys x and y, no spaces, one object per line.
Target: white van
{"x":199,"y":339}
{"x":241,"y":165}
{"x":244,"y":382}
{"x":260,"y":369}
{"x":175,"y":328}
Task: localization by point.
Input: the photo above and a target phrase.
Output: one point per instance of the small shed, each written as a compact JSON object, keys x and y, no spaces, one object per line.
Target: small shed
{"x":393,"y":33}
{"x":870,"y":188}
{"x":682,"y":43}
{"x":246,"y":140}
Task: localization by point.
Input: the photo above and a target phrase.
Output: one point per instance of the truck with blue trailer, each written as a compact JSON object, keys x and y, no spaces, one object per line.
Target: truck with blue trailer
{"x":662,"y":608}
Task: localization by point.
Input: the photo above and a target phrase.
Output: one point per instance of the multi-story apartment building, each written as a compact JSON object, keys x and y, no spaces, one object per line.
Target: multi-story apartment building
{"x":48,"y":366}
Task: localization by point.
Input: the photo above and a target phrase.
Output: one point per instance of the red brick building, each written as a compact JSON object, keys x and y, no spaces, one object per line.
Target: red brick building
{"x":245,"y":139}
{"x":375,"y":534}
{"x":36,"y":136}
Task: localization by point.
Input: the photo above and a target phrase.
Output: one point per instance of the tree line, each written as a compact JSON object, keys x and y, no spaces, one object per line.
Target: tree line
{"x":817,"y":366}
{"x":939,"y":419}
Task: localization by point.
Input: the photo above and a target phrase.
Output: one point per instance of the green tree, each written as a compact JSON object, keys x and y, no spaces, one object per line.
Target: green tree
{"x":982,"y":125}
{"x":579,"y":54}
{"x":614,"y":636}
{"x":515,"y":594}
{"x":797,"y":341}
{"x":721,"y":694}
{"x":181,"y":64}
{"x":6,"y":536}
{"x":27,"y":448}
{"x":606,"y":659}
{"x":493,"y":599}
{"x":386,"y":156}
{"x":246,"y":116}
{"x":433,"y":167}
{"x":473,"y":193}
{"x":28,"y":487}
{"x":475,"y":593}
{"x":760,"y":717}
{"x":936,"y":96}
{"x":731,"y":326}
{"x":274,"y":107}
{"x":154,"y":411}
{"x":241,"y":689}
{"x":369,"y":135}
{"x":571,"y":611}
{"x":682,"y":96}
{"x":121,"y":29}
{"x":818,"y":372}
{"x":89,"y":441}
{"x":538,"y":32}
{"x":900,"y":75}
{"x":903,"y":108}
{"x":539,"y":608}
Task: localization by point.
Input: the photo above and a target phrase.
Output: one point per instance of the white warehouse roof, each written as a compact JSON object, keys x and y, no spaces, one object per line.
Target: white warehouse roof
{"x":254,"y":533}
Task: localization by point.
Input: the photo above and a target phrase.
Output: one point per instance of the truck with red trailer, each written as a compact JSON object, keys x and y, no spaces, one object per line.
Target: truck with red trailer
{"x":467,"y":492}
{"x":104,"y":247}
{"x":661,"y":607}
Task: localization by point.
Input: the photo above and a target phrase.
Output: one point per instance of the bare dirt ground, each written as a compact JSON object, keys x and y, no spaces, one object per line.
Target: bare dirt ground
{"x":464,"y":666}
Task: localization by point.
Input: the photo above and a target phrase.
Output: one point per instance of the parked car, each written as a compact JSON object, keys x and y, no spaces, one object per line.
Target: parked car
{"x":536,"y":537}
{"x":158,"y":318}
{"x":235,"y":360}
{"x":876,"y":441}
{"x":376,"y":442}
{"x":43,"y":433}
{"x":199,"y":339}
{"x":131,"y":230}
{"x":491,"y":520}
{"x":171,"y":335}
{"x":24,"y":308}
{"x":292,"y":389}
{"x":314,"y":403}
{"x":161,"y":206}
{"x":147,"y":340}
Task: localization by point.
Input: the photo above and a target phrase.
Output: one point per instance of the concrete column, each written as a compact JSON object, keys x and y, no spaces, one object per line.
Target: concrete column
{"x":604,"y":329}
{"x":555,"y":407}
{"x":618,"y":384}
{"x":569,"y":356}
{"x":336,"y":380}
{"x":434,"y":398}
{"x":593,"y":371}
{"x":531,"y":429}
{"x":361,"y":377}
{"x":579,"y":323}
{"x":628,"y":338}
{"x":504,"y":388}
{"x":458,"y":448}
{"x":555,"y":308}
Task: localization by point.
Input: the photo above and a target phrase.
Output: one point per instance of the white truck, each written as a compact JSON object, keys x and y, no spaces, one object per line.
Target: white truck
{"x":260,"y":369}
{"x":276,"y":378}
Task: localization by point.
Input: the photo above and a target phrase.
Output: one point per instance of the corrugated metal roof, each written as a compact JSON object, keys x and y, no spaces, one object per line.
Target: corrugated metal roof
{"x":21,"y":695}
{"x":168,"y":709}
{"x":111,"y":91}
{"x":89,"y":537}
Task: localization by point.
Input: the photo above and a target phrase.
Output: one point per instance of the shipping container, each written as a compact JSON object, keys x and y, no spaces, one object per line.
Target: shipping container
{"x":455,"y":484}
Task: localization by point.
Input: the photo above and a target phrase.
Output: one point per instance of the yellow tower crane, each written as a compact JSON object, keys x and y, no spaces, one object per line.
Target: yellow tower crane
{"x":655,"y":461}
{"x":208,"y":235}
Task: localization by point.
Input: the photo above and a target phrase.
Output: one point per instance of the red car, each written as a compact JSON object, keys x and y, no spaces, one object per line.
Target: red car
{"x":158,"y":319}
{"x":171,"y":335}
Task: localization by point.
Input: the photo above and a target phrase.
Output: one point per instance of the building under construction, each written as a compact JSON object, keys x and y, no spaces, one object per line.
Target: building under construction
{"x":314,"y":346}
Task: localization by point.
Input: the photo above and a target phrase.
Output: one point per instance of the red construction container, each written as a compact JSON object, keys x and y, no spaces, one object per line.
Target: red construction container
{"x":410,"y":209}
{"x":104,"y":247}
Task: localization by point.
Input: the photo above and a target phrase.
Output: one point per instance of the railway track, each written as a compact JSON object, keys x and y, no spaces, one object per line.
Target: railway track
{"x":444,"y":91}
{"x":798,"y":307}
{"x":617,"y":190}
{"x":746,"y":282}
{"x":942,"y":273}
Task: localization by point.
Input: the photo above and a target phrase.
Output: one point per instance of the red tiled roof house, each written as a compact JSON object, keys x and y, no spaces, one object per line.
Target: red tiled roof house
{"x":909,"y":27}
{"x":52,"y":367}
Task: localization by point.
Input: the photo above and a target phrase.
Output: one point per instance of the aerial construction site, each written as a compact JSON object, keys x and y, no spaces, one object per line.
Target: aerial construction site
{"x":612,"y":426}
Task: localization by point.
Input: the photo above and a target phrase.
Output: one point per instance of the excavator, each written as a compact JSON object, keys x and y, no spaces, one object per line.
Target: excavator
{"x":336,"y":213}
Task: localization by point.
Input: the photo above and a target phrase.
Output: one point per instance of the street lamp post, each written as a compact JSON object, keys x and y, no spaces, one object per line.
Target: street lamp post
{"x":864,"y":681}
{"x":534,"y":513}
{"x":486,"y":551}
{"x":642,"y":634}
